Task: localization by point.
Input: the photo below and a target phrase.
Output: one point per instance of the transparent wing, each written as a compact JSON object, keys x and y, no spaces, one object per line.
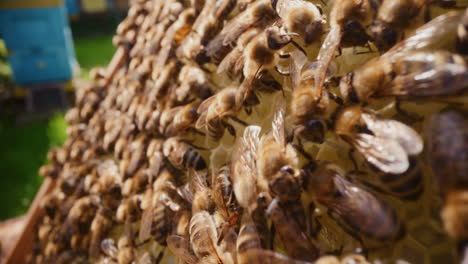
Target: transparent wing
{"x":386,"y":154}
{"x":438,"y":33}
{"x":278,"y":126}
{"x":448,"y":79}
{"x":109,"y":248}
{"x":243,"y":166}
{"x":395,"y":130}
{"x":326,"y":53}
{"x":298,"y":60}
{"x":180,"y":247}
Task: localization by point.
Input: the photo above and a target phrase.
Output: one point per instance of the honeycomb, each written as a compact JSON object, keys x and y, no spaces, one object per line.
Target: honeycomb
{"x":136,"y":140}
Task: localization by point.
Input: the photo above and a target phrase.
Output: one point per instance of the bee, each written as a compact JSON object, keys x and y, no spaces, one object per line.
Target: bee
{"x":392,"y":18}
{"x":182,"y":155}
{"x":215,"y":111}
{"x":125,"y":251}
{"x":203,"y":237}
{"x":258,"y":14}
{"x":417,"y":73}
{"x":178,"y":120}
{"x":295,"y":241}
{"x":261,"y":53}
{"x":225,"y":200}
{"x":193,"y":83}
{"x":384,"y":143}
{"x":243,"y":168}
{"x":342,"y":15}
{"x":273,"y":152}
{"x":174,"y":35}
{"x":301,"y":17}
{"x":354,"y":209}
{"x":248,"y":242}
{"x":231,"y":64}
{"x":79,"y":216}
{"x":447,"y":134}
{"x":129,"y":208}
{"x":205,"y":28}
{"x":309,"y":105}
{"x":100,"y":226}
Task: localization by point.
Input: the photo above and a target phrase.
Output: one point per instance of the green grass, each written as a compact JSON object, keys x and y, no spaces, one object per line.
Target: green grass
{"x":23,"y":148}
{"x":93,"y":51}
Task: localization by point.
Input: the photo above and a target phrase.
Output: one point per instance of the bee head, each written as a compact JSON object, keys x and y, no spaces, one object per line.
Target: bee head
{"x":277,"y":39}
{"x":384,"y":37}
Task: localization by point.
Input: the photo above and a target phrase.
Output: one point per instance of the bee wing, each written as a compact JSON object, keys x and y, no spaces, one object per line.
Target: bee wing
{"x":228,"y":63}
{"x":147,"y":218}
{"x":447,"y":79}
{"x":202,"y":112}
{"x":278,"y":126}
{"x":270,"y":256}
{"x":391,"y":129}
{"x":109,"y":248}
{"x":243,"y":167}
{"x":298,"y":60}
{"x":438,"y":33}
{"x":180,"y":247}
{"x":244,"y":89}
{"x":326,"y":53}
{"x":386,"y":154}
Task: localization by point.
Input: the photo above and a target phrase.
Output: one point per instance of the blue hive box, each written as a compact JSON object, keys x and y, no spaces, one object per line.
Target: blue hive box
{"x":39,"y":40}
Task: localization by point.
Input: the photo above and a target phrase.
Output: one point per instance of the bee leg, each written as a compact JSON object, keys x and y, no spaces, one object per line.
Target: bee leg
{"x":311,"y":230}
{"x":299,"y":147}
{"x":237,"y":120}
{"x":160,"y":256}
{"x":335,"y":98}
{"x":369,"y":50}
{"x":192,"y":145}
{"x":412,"y":117}
{"x":349,"y":231}
{"x":299,"y":47}
{"x":196,"y":131}
{"x":353,"y":160}
{"x":230,"y":128}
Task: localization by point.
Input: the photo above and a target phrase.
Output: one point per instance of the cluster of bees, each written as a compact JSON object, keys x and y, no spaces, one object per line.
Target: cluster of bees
{"x":325,"y":104}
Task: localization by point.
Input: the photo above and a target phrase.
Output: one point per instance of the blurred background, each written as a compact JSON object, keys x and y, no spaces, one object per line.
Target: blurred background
{"x":47,"y":48}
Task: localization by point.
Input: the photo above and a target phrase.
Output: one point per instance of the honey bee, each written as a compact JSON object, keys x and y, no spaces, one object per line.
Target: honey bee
{"x":384,"y":143}
{"x":295,"y":241}
{"x":247,"y":241}
{"x":273,"y":151}
{"x":178,"y":120}
{"x":392,"y":18}
{"x":204,"y":28}
{"x":258,"y":14}
{"x":129,"y":208}
{"x":101,"y":224}
{"x":203,"y":237}
{"x":355,"y":209}
{"x":225,"y":200}
{"x":343,"y":12}
{"x":182,"y":155}
{"x":417,"y":73}
{"x":80,"y":216}
{"x":447,"y":134}
{"x":309,"y":105}
{"x":243,"y":167}
{"x":301,"y":17}
{"x":174,"y":35}
{"x":215,"y":111}
{"x":193,"y":83}
{"x":125,"y":251}
{"x":231,"y":64}
{"x":261,"y":53}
